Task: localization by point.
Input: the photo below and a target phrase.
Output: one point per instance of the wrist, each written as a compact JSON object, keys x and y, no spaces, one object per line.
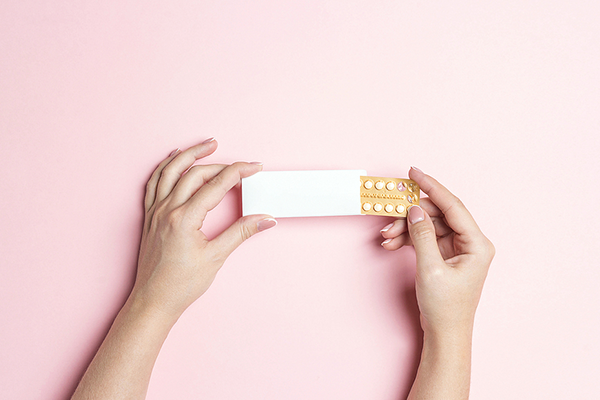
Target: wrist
{"x":138,"y":306}
{"x":454,"y":328}
{"x":455,"y":343}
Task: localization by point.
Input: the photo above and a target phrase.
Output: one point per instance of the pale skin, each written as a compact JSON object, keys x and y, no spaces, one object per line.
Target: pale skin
{"x":177,"y":264}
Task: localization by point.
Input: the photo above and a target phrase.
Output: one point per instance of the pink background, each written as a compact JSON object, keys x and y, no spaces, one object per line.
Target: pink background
{"x":500,"y":102}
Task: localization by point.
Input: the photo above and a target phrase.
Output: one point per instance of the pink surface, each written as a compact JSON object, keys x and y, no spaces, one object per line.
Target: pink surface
{"x":498,"y":101}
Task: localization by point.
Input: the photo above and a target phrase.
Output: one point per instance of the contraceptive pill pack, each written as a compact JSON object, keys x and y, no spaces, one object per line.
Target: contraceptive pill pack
{"x":327,"y":193}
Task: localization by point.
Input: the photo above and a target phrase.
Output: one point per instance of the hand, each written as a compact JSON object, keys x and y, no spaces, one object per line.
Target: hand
{"x":176,"y":262}
{"x":453,"y":256}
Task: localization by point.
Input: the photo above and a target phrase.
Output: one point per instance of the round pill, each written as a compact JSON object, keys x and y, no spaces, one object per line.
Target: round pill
{"x":379,"y":185}
{"x":389,"y":208}
{"x":400,"y":208}
{"x":368,"y":184}
{"x":366,"y":206}
{"x":401,"y":187}
{"x":377,"y":207}
{"x":390,"y":185}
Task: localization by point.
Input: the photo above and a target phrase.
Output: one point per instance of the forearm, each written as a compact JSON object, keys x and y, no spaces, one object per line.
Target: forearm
{"x":445,"y":368}
{"x":122,"y":366}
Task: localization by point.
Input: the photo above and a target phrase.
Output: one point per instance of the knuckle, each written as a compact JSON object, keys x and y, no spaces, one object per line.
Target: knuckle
{"x":217,"y":180}
{"x":245,"y":231}
{"x":456,"y":202}
{"x":486,"y":248}
{"x":491,"y":249}
{"x":421,"y":232}
{"x":174,"y":218}
{"x":195,"y":169}
{"x":160,"y":209}
{"x":166,"y":171}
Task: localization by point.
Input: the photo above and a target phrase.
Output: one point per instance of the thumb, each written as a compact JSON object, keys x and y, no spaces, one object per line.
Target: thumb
{"x":422,"y":234}
{"x":239,"y":231}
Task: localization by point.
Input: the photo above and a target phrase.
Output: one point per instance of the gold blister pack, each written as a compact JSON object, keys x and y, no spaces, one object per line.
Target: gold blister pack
{"x":387,"y":196}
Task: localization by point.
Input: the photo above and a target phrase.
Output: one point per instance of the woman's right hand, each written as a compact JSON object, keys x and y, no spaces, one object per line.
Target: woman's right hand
{"x":453,"y":257}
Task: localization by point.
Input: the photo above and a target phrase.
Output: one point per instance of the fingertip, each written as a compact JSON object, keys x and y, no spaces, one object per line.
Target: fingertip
{"x":266,"y":223}
{"x":414,"y":173}
{"x":394,"y":243}
{"x":386,"y":228}
{"x":250,"y":168}
{"x":415,"y":214}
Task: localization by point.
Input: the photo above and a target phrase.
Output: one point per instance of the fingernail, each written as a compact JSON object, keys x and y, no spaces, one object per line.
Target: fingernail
{"x":174,"y":151}
{"x":385,"y":228}
{"x":266,"y":224}
{"x":415,"y":214}
{"x":208,"y":140}
{"x":417,"y":169}
{"x":386,"y":241}
{"x":256,"y":163}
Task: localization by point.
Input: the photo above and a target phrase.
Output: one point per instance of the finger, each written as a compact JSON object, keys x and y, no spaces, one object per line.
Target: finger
{"x":395,"y":229}
{"x":400,"y":226}
{"x":446,"y":246}
{"x":171,"y":173}
{"x":397,"y":242}
{"x":457,"y":216}
{"x":213,"y":191}
{"x":242,"y":229}
{"x":422,"y":234}
{"x":193,"y":180}
{"x":153,"y":181}
{"x":429,"y":206}
{"x":441,"y":229}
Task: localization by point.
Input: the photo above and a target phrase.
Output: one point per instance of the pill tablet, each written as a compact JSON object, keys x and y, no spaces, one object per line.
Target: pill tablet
{"x":387,"y":196}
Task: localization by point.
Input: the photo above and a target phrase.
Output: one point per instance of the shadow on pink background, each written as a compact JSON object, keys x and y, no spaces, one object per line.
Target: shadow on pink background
{"x":499,"y":102}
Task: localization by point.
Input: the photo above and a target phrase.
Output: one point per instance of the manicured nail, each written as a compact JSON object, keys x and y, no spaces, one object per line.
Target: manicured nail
{"x":174,"y":151}
{"x":256,"y":163}
{"x":415,"y":214}
{"x":386,"y":241}
{"x":266,"y":224}
{"x":385,"y":228}
{"x":417,"y":169}
{"x":208,"y":140}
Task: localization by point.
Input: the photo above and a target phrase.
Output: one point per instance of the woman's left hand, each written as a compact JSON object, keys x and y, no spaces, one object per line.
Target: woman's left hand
{"x":177,"y":263}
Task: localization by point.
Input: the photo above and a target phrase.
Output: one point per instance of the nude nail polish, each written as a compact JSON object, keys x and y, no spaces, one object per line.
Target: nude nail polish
{"x":415,"y":214}
{"x":385,"y":228}
{"x":266,"y":224}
